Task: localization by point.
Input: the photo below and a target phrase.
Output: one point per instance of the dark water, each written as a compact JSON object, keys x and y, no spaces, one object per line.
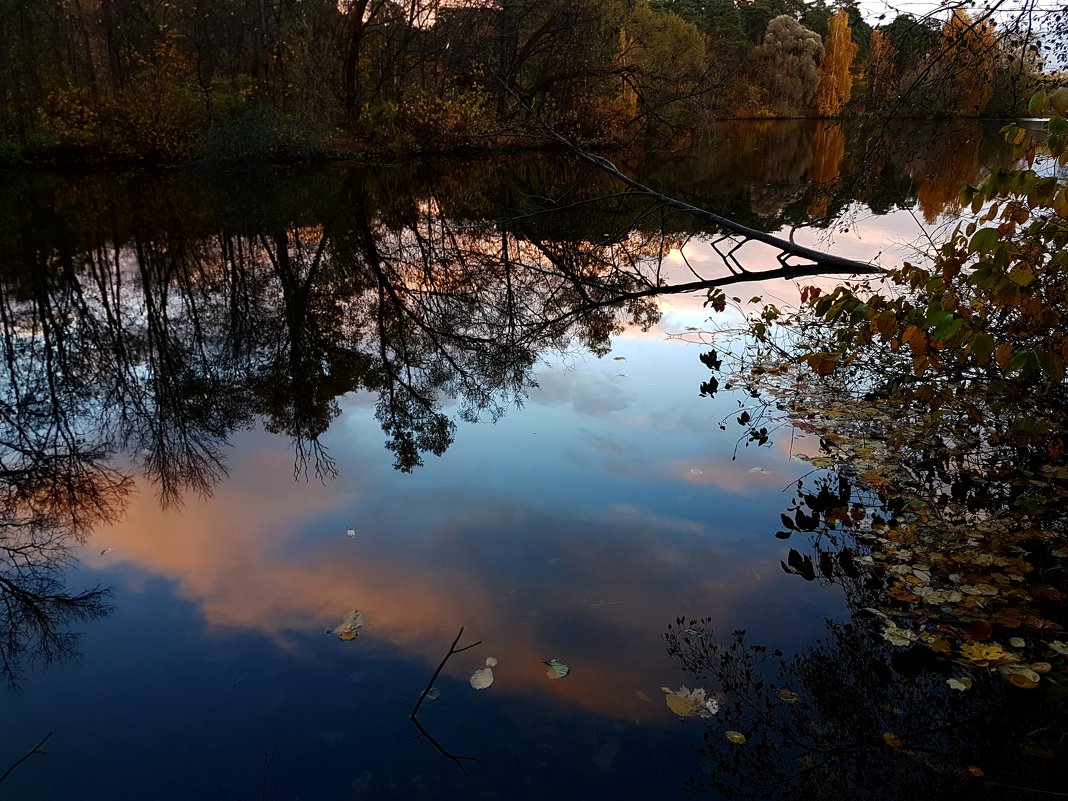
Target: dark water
{"x":211,"y":379}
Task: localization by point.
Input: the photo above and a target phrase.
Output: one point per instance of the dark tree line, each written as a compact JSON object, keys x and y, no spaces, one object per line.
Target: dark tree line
{"x":141,"y":79}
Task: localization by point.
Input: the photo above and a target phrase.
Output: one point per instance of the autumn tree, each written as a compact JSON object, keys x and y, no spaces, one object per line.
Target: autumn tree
{"x":663,"y":60}
{"x":964,"y":69}
{"x":788,"y":63}
{"x":835,"y":71}
{"x":880,"y":72}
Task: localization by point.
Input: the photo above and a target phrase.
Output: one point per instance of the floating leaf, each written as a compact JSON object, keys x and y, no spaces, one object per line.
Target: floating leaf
{"x":1020,"y":675}
{"x":735,"y":737}
{"x":979,"y":630}
{"x":976,"y":771}
{"x":557,"y":668}
{"x":1022,"y":681}
{"x":491,"y":662}
{"x":351,"y":532}
{"x":688,"y":703}
{"x":1017,"y":642}
{"x":482,"y":678}
{"x":106,"y":551}
{"x":984,"y":654}
{"x":892,"y":740}
{"x":960,"y":684}
{"x":789,"y":696}
{"x":349,"y":627}
{"x":898,"y":636}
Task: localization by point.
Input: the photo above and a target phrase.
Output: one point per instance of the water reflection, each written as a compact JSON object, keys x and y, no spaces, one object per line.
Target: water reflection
{"x":50,"y":499}
{"x":149,"y":323}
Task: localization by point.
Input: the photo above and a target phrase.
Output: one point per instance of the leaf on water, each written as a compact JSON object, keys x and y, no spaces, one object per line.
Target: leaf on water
{"x":1022,"y":681}
{"x":491,"y":662}
{"x":789,"y":696}
{"x":688,"y":703}
{"x":482,"y":678}
{"x":898,"y":636}
{"x":976,"y":771}
{"x":619,"y":358}
{"x":984,"y":654}
{"x":735,"y":737}
{"x":979,"y":630}
{"x":760,"y":470}
{"x":1017,"y":642}
{"x":351,"y":532}
{"x":557,"y":668}
{"x":643,"y":697}
{"x":821,"y":462}
{"x":892,"y":740}
{"x":349,"y":627}
{"x":433,"y":694}
{"x":106,"y":551}
{"x":1020,"y":675}
{"x":961,"y":684}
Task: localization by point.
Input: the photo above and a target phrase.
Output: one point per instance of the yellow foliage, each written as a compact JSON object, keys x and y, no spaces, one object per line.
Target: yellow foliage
{"x":880,"y":70}
{"x":971,"y":50}
{"x":836,"y":77}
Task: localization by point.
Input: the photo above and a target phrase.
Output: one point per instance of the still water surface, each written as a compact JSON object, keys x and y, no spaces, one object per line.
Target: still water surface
{"x":218,"y":360}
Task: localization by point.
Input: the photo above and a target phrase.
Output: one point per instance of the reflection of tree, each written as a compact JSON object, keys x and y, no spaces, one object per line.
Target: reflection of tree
{"x":48,"y":499}
{"x":157,"y":326}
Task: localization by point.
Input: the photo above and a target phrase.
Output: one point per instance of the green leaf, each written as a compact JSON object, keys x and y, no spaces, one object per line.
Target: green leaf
{"x":984,"y":241}
{"x":1038,"y":102}
{"x":948,"y":327}
{"x":1059,"y":100}
{"x":982,"y":347}
{"x":557,"y":668}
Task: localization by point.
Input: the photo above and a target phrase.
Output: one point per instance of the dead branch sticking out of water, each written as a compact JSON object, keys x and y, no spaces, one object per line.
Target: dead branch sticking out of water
{"x":459,"y":760}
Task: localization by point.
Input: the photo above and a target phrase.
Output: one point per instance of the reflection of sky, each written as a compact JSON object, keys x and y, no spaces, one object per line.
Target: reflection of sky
{"x":577,"y":527}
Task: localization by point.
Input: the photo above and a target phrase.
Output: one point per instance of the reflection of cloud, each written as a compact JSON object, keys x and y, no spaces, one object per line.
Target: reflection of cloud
{"x":589,"y":392}
{"x":595,"y":590}
{"x":733,"y":477}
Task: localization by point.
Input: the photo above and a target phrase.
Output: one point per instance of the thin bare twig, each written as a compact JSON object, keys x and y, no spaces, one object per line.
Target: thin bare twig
{"x":459,"y":760}
{"x":35,"y":750}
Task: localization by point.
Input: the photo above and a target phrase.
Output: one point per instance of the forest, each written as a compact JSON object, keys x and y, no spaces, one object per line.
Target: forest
{"x":162,"y":81}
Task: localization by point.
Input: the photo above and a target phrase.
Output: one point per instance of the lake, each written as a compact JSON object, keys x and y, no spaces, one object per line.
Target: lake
{"x":240,"y":405}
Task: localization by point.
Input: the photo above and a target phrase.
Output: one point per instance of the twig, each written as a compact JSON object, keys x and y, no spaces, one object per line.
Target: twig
{"x":36,"y":749}
{"x":459,"y":760}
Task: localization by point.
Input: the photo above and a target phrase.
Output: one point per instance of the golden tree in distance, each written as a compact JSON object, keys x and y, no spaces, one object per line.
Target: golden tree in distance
{"x":836,"y":78}
{"x":879,"y":72}
{"x":969,"y":50}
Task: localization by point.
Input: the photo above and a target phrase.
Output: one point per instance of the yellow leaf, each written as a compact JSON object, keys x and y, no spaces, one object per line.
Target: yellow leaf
{"x":984,"y":653}
{"x":735,"y":737}
{"x":976,"y":771}
{"x":892,"y":740}
{"x":683,"y":707}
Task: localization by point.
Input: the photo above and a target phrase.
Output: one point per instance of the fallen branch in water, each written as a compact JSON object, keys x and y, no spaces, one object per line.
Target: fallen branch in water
{"x":459,"y":760}
{"x":35,"y":750}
